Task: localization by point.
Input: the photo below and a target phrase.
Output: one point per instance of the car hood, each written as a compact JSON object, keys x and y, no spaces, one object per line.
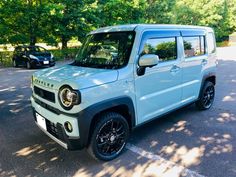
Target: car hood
{"x":38,"y":54}
{"x":75,"y":76}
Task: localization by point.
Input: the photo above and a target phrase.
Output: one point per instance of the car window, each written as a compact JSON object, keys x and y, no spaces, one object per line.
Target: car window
{"x":109,"y":50}
{"x":211,"y":43}
{"x":165,"y":48}
{"x":194,"y":46}
{"x":35,"y":49}
{"x":19,"y":50}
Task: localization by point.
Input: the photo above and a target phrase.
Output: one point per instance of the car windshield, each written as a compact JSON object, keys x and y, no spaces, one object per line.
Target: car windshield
{"x":35,"y":49}
{"x":106,"y":50}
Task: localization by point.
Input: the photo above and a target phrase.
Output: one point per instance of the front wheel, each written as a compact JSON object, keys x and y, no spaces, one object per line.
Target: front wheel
{"x":109,"y":137}
{"x":28,"y":65}
{"x":206,"y":96}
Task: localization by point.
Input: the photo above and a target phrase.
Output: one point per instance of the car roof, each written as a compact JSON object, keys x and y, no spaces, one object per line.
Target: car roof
{"x":141,"y":27}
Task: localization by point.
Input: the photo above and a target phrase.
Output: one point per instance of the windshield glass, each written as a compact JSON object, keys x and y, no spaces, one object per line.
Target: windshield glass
{"x":106,"y":50}
{"x":35,"y":49}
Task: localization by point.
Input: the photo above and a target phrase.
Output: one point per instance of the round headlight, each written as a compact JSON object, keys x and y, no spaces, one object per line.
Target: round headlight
{"x":68,"y":97}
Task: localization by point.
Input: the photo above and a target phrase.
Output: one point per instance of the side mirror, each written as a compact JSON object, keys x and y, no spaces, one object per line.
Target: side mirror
{"x":148,"y":60}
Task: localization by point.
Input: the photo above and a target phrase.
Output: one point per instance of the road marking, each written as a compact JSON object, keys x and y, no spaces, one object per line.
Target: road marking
{"x":163,"y":164}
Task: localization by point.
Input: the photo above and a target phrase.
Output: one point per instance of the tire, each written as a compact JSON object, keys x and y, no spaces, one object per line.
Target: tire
{"x":206,"y":97}
{"x":15,"y":63}
{"x":28,"y":65}
{"x":109,"y":137}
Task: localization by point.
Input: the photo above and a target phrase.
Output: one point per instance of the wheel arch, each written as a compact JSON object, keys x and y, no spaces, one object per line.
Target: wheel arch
{"x":88,"y":118}
{"x":208,"y":77}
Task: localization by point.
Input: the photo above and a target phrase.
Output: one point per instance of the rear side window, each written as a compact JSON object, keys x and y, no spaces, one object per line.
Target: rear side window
{"x":194,"y":46}
{"x":211,"y":43}
{"x":165,"y":48}
{"x":18,"y":49}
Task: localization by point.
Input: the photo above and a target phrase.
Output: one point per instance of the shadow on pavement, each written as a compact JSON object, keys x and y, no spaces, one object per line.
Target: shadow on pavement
{"x":202,"y":141}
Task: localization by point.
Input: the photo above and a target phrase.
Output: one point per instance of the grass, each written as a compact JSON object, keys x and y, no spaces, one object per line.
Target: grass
{"x":222,"y":44}
{"x":6,"y":58}
{"x":65,"y":54}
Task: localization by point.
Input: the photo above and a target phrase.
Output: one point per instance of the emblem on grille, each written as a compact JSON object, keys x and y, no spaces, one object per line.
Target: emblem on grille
{"x":43,"y":83}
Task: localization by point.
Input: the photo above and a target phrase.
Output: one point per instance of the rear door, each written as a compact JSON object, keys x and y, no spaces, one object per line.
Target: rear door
{"x":195,"y":60}
{"x":159,"y":89}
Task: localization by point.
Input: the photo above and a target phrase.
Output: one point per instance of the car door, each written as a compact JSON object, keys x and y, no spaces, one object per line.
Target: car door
{"x":195,"y":59}
{"x":159,"y":89}
{"x":20,"y":56}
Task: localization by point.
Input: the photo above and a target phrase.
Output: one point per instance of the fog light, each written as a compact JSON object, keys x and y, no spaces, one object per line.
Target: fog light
{"x":68,"y":127}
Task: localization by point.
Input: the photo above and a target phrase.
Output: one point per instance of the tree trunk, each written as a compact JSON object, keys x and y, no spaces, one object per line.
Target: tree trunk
{"x":33,"y":40}
{"x":64,"y":42}
{"x":31,"y":25}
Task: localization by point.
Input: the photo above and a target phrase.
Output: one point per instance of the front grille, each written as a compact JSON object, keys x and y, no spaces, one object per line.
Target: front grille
{"x":44,"y":94}
{"x":46,"y":106}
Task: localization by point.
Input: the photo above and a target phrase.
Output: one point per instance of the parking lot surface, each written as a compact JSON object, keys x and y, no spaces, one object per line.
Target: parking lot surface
{"x":186,"y":142}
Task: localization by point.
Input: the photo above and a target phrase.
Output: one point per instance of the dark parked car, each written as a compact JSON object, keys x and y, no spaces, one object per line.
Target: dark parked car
{"x":32,"y":56}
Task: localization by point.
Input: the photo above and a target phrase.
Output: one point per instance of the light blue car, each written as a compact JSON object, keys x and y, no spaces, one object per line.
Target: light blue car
{"x":124,"y":76}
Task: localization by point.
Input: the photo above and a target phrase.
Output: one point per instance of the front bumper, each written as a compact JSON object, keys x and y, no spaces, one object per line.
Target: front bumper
{"x":55,"y":128}
{"x":40,"y":63}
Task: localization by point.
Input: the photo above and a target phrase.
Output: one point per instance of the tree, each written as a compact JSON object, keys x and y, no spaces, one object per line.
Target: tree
{"x":54,"y":21}
{"x":67,"y":19}
{"x":115,"y":12}
{"x":217,"y":14}
{"x":21,"y":20}
{"x":159,"y":11}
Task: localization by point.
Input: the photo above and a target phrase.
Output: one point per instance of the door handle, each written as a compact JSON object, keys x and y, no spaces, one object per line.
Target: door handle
{"x":174,"y":69}
{"x":204,"y":62}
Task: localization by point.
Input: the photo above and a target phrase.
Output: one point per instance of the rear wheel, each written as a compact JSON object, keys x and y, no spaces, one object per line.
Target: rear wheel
{"x":109,"y":137}
{"x":15,"y":63}
{"x":207,"y":96}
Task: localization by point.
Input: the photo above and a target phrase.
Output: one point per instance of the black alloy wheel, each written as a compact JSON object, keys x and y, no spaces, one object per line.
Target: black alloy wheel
{"x":109,"y":137}
{"x":207,"y":95}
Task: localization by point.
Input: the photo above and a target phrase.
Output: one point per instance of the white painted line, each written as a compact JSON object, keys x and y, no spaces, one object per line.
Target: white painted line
{"x":164,"y":166}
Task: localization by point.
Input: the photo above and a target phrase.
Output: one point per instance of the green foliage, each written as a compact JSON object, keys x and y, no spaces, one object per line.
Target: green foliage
{"x":54,"y":21}
{"x":217,"y":14}
{"x":66,"y":19}
{"x":6,"y":58}
{"x":21,"y":21}
{"x":114,"y":12}
{"x":159,"y":11}
{"x":222,"y":44}
{"x":166,"y":51}
{"x":187,"y":45}
{"x":65,"y":54}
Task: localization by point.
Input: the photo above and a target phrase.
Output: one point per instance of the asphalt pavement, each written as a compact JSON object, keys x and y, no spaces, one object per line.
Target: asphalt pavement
{"x":186,"y":142}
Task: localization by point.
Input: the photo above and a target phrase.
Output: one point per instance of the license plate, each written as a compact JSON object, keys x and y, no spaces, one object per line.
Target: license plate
{"x":41,"y":121}
{"x":45,"y":62}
